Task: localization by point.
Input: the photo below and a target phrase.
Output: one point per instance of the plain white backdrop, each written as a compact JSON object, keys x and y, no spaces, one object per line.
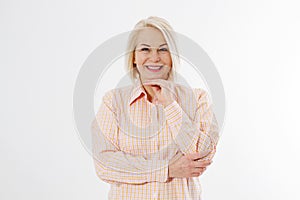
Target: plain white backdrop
{"x":254,"y":44}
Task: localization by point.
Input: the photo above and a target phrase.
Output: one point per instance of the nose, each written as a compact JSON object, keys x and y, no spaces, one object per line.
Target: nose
{"x":155,"y":56}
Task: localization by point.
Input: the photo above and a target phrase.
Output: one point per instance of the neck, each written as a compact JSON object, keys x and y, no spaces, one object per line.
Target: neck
{"x":149,"y":91}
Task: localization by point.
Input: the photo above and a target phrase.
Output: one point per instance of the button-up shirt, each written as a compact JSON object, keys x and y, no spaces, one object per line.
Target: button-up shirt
{"x":134,"y":141}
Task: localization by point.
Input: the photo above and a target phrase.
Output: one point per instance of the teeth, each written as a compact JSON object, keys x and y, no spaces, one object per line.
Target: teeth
{"x":153,"y":67}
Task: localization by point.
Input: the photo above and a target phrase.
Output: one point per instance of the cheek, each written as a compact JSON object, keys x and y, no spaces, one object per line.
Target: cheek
{"x":138,"y":59}
{"x":168,"y":60}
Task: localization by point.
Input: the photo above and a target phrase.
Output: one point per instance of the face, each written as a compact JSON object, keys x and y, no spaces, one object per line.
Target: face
{"x":152,"y":56}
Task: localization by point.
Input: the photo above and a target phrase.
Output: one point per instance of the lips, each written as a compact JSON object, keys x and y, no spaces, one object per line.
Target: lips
{"x":154,"y":68}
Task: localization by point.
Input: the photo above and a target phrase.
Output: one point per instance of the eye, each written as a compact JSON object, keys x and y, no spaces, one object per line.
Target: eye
{"x":163,"y":49}
{"x":145,"y":49}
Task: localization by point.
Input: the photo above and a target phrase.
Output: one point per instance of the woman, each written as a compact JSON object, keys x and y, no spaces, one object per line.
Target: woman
{"x":152,"y":140}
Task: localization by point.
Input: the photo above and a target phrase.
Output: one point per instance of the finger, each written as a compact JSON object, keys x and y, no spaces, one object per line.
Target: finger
{"x":159,"y":82}
{"x":202,"y":154}
{"x":152,"y":82}
{"x":201,"y":164}
{"x":193,"y":156}
{"x":196,"y":174}
{"x":198,"y":155}
{"x":162,"y":81}
{"x":162,"y":84}
{"x":156,"y":89}
{"x":197,"y":170}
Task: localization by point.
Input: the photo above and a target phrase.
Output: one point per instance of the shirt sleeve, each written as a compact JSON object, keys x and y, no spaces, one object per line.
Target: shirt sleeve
{"x":113,"y":165}
{"x":199,"y":134}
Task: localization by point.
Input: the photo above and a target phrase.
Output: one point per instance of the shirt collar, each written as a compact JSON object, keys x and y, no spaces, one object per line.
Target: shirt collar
{"x":137,"y":92}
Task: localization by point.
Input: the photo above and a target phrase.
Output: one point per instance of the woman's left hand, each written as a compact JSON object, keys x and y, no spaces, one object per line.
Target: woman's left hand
{"x":164,"y":92}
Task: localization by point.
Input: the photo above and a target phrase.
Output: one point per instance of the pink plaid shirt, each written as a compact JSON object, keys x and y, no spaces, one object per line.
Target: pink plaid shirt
{"x":134,"y":140}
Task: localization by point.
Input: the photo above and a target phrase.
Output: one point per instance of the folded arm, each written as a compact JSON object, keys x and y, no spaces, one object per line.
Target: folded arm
{"x":113,"y":165}
{"x":199,"y":134}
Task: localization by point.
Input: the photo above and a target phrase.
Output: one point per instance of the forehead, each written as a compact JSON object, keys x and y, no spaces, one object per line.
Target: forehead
{"x":150,"y":36}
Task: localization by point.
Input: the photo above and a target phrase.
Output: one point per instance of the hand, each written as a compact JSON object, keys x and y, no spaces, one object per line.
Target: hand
{"x":164,"y":92}
{"x":188,"y":166}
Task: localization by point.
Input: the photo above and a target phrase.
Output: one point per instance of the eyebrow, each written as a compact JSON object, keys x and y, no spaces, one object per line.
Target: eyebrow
{"x":150,"y":46}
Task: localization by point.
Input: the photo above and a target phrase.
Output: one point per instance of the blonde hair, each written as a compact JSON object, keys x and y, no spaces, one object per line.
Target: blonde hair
{"x":164,"y":27}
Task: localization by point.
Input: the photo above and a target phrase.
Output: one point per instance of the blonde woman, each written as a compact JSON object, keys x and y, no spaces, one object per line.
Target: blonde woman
{"x":153,"y":140}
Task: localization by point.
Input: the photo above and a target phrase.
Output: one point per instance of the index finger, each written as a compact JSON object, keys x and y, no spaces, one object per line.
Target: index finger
{"x":159,"y":82}
{"x":203,"y":163}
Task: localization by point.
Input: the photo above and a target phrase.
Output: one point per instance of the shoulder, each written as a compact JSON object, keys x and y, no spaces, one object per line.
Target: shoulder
{"x":117,"y":93}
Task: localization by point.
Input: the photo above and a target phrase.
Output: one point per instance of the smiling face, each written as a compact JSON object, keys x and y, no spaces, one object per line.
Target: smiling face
{"x":152,"y":56}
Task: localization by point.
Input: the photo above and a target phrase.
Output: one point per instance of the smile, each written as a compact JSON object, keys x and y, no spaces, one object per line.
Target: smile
{"x":154,"y":68}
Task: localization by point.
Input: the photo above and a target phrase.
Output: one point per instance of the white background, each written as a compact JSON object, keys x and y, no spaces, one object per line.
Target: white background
{"x":254,"y":44}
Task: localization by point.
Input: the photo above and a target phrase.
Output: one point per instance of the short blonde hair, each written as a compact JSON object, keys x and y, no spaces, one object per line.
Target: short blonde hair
{"x":164,"y":27}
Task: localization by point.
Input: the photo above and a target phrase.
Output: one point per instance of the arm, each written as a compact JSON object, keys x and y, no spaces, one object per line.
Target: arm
{"x":197,"y":135}
{"x":112,"y":165}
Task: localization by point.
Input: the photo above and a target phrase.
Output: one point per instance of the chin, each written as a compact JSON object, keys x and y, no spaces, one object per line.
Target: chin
{"x":155,"y":77}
